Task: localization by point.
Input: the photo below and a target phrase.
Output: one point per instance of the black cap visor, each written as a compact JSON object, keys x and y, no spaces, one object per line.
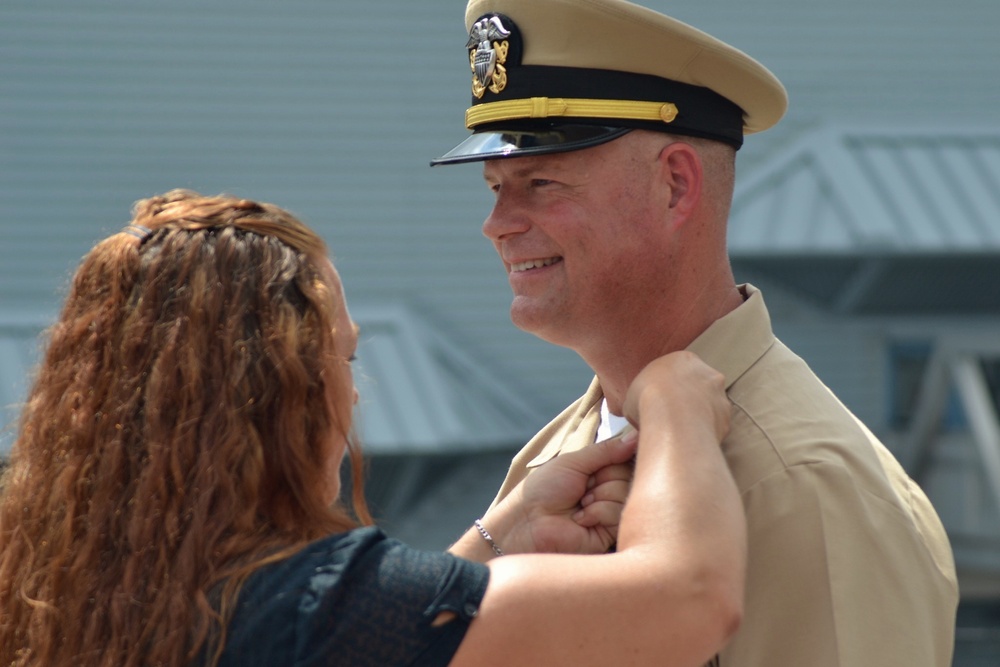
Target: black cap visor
{"x":509,"y":143}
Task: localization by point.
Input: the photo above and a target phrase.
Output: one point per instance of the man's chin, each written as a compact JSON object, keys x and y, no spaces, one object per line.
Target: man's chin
{"x":539,"y":321}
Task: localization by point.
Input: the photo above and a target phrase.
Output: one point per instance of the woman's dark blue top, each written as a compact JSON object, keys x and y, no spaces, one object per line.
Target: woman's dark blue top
{"x":358,"y":599}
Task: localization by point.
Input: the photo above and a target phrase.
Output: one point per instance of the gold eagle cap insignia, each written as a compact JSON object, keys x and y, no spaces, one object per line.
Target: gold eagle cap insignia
{"x":488,"y":48}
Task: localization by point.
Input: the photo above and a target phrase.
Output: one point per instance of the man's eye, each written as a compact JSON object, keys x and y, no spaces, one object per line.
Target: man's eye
{"x":351,"y":359}
{"x":539,"y":182}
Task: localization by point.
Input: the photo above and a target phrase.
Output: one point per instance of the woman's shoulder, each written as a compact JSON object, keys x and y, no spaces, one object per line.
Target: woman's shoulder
{"x":322,"y":564}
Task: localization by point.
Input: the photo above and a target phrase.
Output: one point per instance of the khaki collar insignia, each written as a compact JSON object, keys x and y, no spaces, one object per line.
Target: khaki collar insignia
{"x":488,"y":48}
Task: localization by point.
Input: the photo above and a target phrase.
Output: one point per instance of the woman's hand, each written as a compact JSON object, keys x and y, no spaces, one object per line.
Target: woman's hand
{"x":571,"y":504}
{"x":682,"y":383}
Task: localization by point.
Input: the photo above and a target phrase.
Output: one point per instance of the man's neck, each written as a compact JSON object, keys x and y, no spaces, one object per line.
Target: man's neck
{"x":617,"y":363}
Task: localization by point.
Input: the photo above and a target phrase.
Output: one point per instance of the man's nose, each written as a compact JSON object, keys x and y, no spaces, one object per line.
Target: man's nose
{"x":506,"y":218}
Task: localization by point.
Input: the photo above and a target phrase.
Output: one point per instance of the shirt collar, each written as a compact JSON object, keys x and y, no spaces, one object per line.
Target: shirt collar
{"x":735,"y":341}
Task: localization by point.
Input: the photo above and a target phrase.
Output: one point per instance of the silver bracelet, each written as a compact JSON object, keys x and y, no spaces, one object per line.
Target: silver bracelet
{"x":489,"y":538}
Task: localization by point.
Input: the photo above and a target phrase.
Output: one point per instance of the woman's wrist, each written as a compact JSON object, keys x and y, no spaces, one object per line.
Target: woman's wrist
{"x":472,"y":546}
{"x":489,"y":537}
{"x":502,"y":524}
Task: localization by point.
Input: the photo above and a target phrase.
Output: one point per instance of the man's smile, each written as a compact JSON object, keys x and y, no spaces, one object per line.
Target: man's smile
{"x":517,"y":267}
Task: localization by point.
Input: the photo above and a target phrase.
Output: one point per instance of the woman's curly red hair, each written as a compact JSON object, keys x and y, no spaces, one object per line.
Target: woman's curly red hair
{"x":175,"y":438}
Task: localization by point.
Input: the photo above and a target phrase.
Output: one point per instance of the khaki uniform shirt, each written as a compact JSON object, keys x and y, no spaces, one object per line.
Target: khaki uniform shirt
{"x":849,"y":565}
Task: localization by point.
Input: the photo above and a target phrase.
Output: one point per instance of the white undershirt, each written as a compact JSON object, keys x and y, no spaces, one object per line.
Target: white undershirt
{"x":610,"y":424}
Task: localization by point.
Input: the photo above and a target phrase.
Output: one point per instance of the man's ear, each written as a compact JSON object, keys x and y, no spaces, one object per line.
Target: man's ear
{"x":681,"y":171}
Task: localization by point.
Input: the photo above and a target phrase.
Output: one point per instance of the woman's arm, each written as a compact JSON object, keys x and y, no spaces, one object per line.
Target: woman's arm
{"x":672,"y":594}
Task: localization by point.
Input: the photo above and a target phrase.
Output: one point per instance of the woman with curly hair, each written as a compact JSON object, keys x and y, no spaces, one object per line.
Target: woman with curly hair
{"x":173,"y":492}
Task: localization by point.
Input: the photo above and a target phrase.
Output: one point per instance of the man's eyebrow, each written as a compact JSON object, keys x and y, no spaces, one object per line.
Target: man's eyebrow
{"x":527,"y":170}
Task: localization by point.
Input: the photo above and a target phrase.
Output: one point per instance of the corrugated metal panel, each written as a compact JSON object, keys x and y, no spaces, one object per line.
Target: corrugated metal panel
{"x":938,"y":188}
{"x":851,"y":191}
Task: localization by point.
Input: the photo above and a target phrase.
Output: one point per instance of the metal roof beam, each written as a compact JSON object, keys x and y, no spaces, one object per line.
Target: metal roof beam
{"x":967,"y":374}
{"x":865,"y":278}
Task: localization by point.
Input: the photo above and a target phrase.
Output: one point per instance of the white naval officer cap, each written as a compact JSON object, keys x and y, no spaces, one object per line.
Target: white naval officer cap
{"x":559,"y":75}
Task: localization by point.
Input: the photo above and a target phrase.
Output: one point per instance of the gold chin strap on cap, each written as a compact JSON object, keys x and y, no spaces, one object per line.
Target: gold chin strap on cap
{"x":549,"y":107}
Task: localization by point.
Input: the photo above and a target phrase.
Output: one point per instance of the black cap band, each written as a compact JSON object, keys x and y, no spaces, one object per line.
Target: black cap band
{"x":699,"y":111}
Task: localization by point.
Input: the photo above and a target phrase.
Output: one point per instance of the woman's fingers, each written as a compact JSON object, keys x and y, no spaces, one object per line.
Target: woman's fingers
{"x":603,"y":504}
{"x":609,"y":490}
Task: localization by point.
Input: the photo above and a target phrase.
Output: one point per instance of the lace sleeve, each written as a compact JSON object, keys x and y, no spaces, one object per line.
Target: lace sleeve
{"x":378,"y":612}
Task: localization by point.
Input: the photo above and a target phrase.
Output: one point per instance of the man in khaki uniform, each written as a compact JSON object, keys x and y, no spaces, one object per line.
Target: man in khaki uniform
{"x":608,"y":135}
